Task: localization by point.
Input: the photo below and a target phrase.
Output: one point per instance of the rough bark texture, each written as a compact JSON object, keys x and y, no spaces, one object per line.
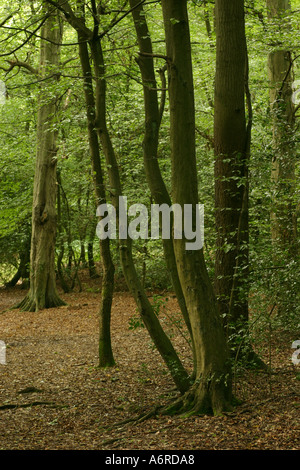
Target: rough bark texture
{"x":43,"y":293}
{"x":231,"y":175}
{"x":211,"y":391}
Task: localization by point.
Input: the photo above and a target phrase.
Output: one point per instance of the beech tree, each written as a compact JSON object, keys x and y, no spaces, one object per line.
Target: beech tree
{"x":93,"y":66}
{"x":232,"y":138}
{"x":281,"y":77}
{"x":153,"y":116}
{"x":43,"y":291}
{"x":211,"y":390}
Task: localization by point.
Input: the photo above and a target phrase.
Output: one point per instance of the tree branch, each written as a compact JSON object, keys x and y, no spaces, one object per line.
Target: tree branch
{"x":27,"y":39}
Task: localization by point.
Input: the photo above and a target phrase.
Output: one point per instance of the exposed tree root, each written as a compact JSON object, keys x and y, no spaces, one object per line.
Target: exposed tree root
{"x":31,"y":304}
{"x":138,"y":419}
{"x":205,"y":398}
{"x":10,"y":406}
{"x":201,"y":399}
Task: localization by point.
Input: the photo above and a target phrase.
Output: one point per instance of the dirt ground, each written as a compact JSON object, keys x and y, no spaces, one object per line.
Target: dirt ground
{"x":54,"y":397}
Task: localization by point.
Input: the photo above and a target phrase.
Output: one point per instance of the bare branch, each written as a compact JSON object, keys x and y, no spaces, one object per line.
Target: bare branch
{"x":8,"y":18}
{"x":27,"y":39}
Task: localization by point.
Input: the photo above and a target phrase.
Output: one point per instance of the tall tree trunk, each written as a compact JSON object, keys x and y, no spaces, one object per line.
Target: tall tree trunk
{"x":157,"y":334}
{"x":283,"y":179}
{"x":211,"y":391}
{"x":231,"y":165}
{"x":106,"y":358}
{"x":43,"y":293}
{"x":97,"y":127}
{"x":280,"y":68}
{"x":150,"y":144}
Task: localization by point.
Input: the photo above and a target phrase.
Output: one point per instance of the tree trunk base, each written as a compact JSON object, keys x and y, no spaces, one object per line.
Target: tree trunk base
{"x":203,"y":398}
{"x":31,"y":304}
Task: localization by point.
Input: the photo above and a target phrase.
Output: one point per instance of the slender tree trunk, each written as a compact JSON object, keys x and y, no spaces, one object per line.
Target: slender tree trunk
{"x":150,"y":144}
{"x":160,"y":339}
{"x":283,"y":212}
{"x":91,"y":262}
{"x":60,"y":241}
{"x":97,"y":127}
{"x":43,"y":293}
{"x":23,"y":268}
{"x":211,"y":391}
{"x":280,"y":68}
{"x":106,"y":358}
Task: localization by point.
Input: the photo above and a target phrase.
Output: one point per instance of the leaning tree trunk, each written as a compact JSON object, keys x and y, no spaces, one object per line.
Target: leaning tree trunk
{"x":211,"y":391}
{"x":43,"y":293}
{"x":153,"y":112}
{"x":96,"y":104}
{"x":157,"y":334}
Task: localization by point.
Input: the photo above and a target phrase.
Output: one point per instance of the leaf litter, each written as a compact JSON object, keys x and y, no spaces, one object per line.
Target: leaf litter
{"x":53,"y":395}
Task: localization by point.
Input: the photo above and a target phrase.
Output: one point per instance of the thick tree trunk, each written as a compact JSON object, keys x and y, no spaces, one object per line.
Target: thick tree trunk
{"x":231,"y":141}
{"x":211,"y":391}
{"x":43,"y":293}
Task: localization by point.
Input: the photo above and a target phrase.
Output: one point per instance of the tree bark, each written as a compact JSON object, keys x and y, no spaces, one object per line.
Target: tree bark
{"x":280,"y":71}
{"x":157,"y":334}
{"x":23,"y":268}
{"x":211,"y":391}
{"x":43,"y":292}
{"x":283,"y":216}
{"x":106,"y":358}
{"x":153,"y":114}
{"x":232,"y":144}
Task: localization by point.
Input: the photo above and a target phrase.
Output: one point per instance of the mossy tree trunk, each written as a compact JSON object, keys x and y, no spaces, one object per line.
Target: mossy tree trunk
{"x":97,"y":129}
{"x":157,"y":334}
{"x":106,"y":358}
{"x":232,"y":138}
{"x":211,"y":391}
{"x":43,"y":292}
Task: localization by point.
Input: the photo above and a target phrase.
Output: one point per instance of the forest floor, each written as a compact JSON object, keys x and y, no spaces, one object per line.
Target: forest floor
{"x":53,"y":396}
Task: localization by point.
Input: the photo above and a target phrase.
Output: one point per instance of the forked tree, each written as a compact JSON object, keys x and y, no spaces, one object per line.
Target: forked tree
{"x":211,"y":390}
